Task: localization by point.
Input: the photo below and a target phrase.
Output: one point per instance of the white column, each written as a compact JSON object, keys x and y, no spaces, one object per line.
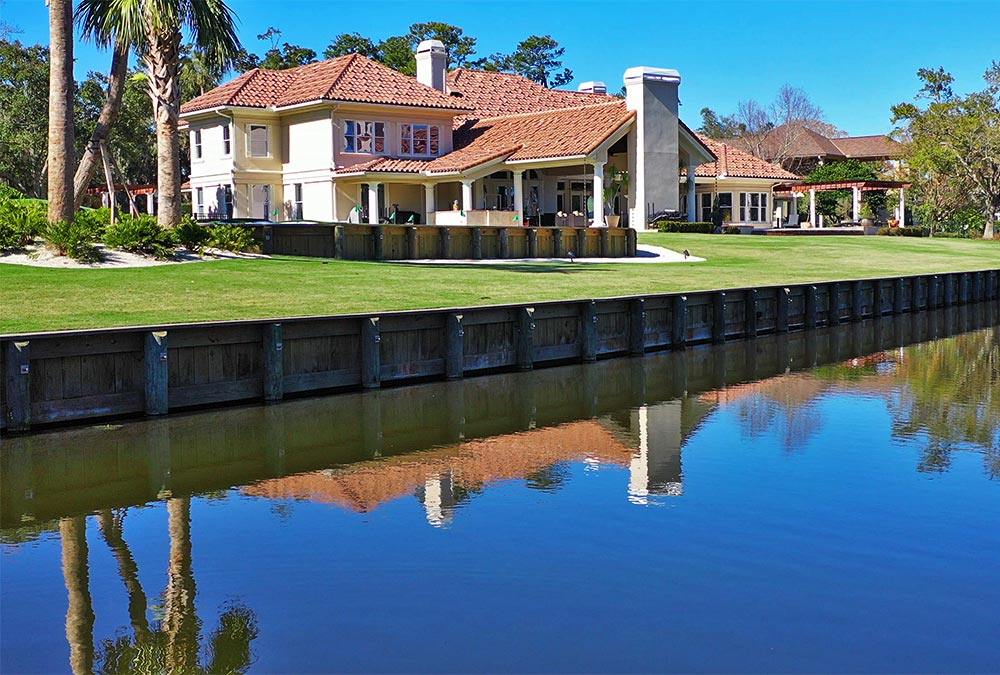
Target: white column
{"x":467,"y":196}
{"x":373,"y":203}
{"x":812,"y":208}
{"x":856,"y":203}
{"x":692,"y":197}
{"x":333,"y":201}
{"x":599,"y":193}
{"x":902,"y":208}
{"x":795,"y":206}
{"x":519,"y":196}
{"x":429,"y":203}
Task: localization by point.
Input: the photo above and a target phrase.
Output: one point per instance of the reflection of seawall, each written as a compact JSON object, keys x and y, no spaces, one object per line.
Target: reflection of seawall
{"x":64,"y":473}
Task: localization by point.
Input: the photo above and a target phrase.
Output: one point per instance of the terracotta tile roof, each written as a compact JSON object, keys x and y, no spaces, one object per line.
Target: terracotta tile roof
{"x":868,"y":147}
{"x":554,"y":133}
{"x":385,"y":165}
{"x":492,"y":94}
{"x":365,"y":486}
{"x":735,"y":163}
{"x":351,"y":78}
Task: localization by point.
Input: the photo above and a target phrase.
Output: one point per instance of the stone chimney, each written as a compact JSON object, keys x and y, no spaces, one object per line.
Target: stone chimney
{"x":592,"y":88}
{"x":655,"y":180}
{"x":432,"y":64}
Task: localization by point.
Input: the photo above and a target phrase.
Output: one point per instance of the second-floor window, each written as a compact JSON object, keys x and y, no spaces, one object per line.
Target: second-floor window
{"x":297,"y":206}
{"x":227,"y":146}
{"x":419,"y":139}
{"x":196,"y":146}
{"x":257,"y":140}
{"x":364,"y":137}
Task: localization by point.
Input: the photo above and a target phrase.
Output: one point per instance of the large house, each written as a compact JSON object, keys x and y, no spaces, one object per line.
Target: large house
{"x":801,"y":149}
{"x":350,"y":140}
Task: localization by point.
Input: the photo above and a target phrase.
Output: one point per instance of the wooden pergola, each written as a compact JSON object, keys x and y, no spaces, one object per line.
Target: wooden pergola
{"x":855,"y":186}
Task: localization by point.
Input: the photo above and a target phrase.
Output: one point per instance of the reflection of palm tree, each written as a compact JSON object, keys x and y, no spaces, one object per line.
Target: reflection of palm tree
{"x":80,"y":614}
{"x":172,"y":647}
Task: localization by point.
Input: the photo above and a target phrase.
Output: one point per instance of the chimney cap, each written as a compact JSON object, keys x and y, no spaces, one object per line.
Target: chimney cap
{"x":593,"y":87}
{"x":431,"y":46}
{"x":648,"y":74}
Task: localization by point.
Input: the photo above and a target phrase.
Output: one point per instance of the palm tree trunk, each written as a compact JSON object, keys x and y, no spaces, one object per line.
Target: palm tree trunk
{"x":179,"y":618}
{"x":163,"y":64}
{"x":61,"y":86}
{"x":128,"y":570}
{"x":109,"y":112}
{"x":80,"y":613}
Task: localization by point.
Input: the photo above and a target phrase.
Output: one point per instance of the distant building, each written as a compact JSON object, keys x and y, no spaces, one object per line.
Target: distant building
{"x":800,"y":149}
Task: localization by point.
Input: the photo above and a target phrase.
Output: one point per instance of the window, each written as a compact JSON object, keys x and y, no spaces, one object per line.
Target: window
{"x":725,"y":205}
{"x":199,"y":202}
{"x":196,"y":146}
{"x":260,"y":201}
{"x":364,"y":137}
{"x":257,"y":139}
{"x":419,"y":139}
{"x":297,"y":206}
{"x":227,"y":195}
{"x":753,"y":207}
{"x":227,"y":146}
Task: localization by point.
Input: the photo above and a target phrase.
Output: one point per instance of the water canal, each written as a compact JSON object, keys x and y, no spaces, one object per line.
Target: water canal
{"x":827,"y":501}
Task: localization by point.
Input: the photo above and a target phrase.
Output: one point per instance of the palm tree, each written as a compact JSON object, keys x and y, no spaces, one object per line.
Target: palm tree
{"x":61,"y":84}
{"x":156,"y":26}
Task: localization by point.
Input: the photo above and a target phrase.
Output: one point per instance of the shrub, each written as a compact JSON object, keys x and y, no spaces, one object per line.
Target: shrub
{"x":75,"y":240}
{"x":191,"y":235}
{"x":904,"y":232}
{"x":97,"y":219}
{"x":7,"y":192}
{"x":232,"y":238}
{"x":21,"y":220}
{"x":140,"y":234}
{"x":731,"y":229}
{"x":690,"y":228}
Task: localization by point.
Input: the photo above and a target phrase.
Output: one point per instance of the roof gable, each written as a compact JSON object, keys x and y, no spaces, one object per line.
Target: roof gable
{"x":735,"y":163}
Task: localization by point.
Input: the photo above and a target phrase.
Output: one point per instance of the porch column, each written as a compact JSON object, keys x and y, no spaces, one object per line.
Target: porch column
{"x":812,"y":208}
{"x":902,"y":208}
{"x":519,"y":196}
{"x":795,"y":206}
{"x":466,"y":196}
{"x":333,"y":202}
{"x":373,"y":203}
{"x":855,"y":203}
{"x":599,"y":193}
{"x":692,"y":200}
{"x":429,"y":203}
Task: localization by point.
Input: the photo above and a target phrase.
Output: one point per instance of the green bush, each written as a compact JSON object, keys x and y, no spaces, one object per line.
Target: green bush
{"x":731,"y":229}
{"x":140,"y":234}
{"x":97,"y":219}
{"x":232,"y":238}
{"x":75,"y":240}
{"x":191,"y":235}
{"x":689,"y":228}
{"x":7,"y":192}
{"x":21,"y":220}
{"x":904,"y":232}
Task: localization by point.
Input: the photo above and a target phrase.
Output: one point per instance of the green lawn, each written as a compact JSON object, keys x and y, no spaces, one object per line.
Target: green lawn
{"x":34,"y":299}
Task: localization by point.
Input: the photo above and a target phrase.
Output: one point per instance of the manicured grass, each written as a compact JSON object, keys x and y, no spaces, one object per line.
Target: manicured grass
{"x":35,"y":299}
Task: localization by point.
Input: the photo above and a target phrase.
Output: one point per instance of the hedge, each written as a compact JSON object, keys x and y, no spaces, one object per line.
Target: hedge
{"x":688,"y":228}
{"x":904,"y":232}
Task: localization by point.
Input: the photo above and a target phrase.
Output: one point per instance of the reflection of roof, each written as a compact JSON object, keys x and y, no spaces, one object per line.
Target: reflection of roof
{"x":352,"y":78}
{"x":364,"y":486}
{"x":735,"y":163}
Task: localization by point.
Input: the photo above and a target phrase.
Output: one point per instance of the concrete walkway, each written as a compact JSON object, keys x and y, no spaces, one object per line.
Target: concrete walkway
{"x":645,"y":254}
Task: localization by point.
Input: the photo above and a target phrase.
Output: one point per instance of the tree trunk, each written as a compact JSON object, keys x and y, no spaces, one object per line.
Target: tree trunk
{"x":180,"y":622}
{"x":80,"y":612}
{"x":61,"y":86}
{"x":989,"y":232}
{"x":128,"y":571}
{"x":163,"y":65}
{"x":109,"y":113}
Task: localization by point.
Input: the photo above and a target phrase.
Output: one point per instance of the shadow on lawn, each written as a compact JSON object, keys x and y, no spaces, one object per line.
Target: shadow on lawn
{"x":533,"y":268}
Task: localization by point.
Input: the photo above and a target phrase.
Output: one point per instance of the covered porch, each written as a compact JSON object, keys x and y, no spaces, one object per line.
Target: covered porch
{"x":795,"y":192}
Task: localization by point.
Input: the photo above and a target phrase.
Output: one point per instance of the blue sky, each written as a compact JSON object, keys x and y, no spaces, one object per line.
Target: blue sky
{"x":854,"y":58}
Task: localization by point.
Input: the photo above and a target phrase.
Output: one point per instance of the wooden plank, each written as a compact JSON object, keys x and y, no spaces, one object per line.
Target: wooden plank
{"x":445,"y":243}
{"x":412,"y":243}
{"x":504,"y":234}
{"x":17,"y":384}
{"x":378,"y":241}
{"x":454,"y":346}
{"x":215,"y":392}
{"x":719,"y":317}
{"x":750,"y":302}
{"x":274,"y":362}
{"x":637,"y":327}
{"x":897,"y":296}
{"x":678,"y":332}
{"x":914,"y":294}
{"x":783,"y":300}
{"x":477,"y":243}
{"x":157,"y":376}
{"x":525,"y":321}
{"x":296,"y":330}
{"x":413,"y":369}
{"x":963,"y":288}
{"x":532,"y":243}
{"x":605,"y":245}
{"x":182,"y":338}
{"x":810,"y":306}
{"x":857,"y":301}
{"x":580,"y":249}
{"x":317,"y":381}
{"x":83,"y":345}
{"x":561,"y":352}
{"x":588,"y":331}
{"x":97,"y":405}
{"x":833,"y":304}
{"x":371,"y":353}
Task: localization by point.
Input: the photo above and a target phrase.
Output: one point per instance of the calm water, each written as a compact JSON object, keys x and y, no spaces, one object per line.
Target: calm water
{"x":828,"y":502}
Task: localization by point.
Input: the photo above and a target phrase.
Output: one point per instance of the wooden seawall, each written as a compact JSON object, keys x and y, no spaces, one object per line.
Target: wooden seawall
{"x":412,"y":242}
{"x":92,"y":374}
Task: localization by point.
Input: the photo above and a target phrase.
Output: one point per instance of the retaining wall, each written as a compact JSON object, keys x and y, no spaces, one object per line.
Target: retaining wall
{"x":92,"y":374}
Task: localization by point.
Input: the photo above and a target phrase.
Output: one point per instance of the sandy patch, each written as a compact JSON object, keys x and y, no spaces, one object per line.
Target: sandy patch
{"x":40,"y":256}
